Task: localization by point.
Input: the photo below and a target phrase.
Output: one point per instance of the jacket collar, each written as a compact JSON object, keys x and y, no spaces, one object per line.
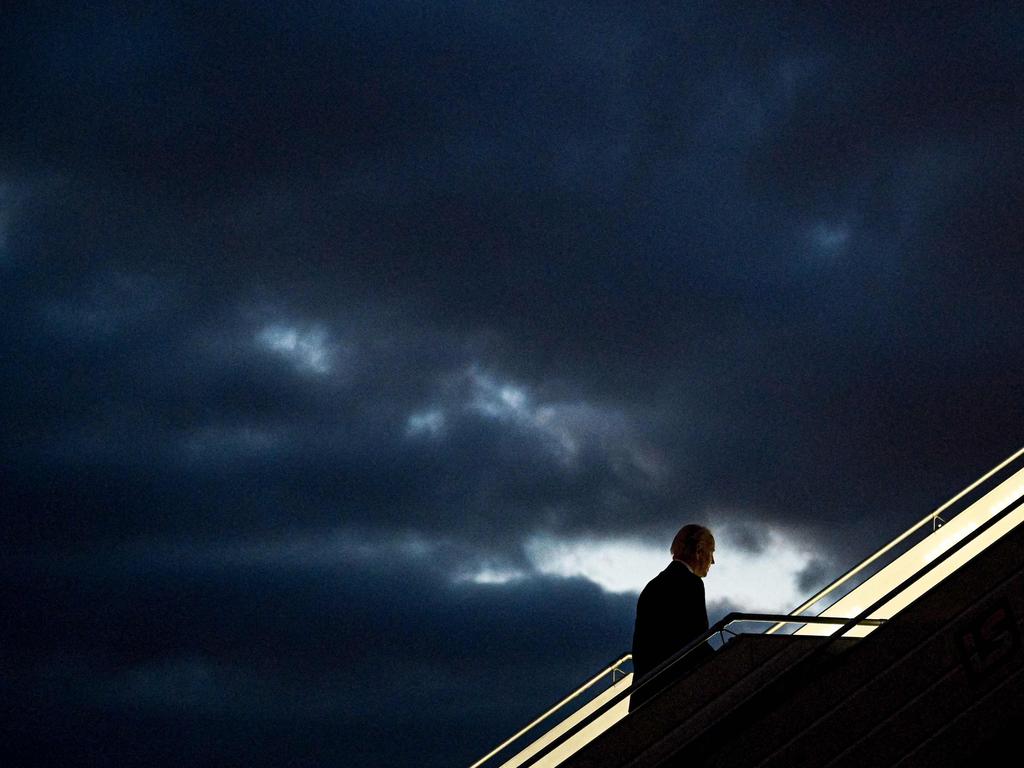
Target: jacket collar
{"x":685,"y":565}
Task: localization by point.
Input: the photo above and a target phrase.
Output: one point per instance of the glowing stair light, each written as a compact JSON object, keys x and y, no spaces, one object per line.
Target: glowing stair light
{"x":900,"y":583}
{"x":926,"y":551}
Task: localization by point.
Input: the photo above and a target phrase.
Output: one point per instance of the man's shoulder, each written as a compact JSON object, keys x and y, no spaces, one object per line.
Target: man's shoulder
{"x":675,"y":574}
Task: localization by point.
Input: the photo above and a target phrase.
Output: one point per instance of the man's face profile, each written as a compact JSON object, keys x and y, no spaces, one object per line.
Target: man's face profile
{"x":705,"y":557}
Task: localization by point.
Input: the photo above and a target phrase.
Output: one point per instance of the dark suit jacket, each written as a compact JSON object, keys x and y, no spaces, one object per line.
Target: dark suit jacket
{"x":670,"y":614}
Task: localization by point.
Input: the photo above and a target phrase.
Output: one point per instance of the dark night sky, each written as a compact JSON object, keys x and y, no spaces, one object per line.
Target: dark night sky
{"x":359,"y":360}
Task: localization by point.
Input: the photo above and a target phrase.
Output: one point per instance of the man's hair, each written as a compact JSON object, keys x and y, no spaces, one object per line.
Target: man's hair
{"x":688,"y":540}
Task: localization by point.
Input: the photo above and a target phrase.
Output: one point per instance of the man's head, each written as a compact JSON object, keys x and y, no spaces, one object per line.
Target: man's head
{"x":695,"y":546}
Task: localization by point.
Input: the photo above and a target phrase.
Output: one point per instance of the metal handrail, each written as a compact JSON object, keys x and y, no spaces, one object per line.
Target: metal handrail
{"x":780,"y":620}
{"x":672,"y":661}
{"x":611,"y":668}
{"x":719,"y":628}
{"x":977,"y":532}
{"x":933,"y":517}
{"x":846,"y":625}
{"x":987,"y":525}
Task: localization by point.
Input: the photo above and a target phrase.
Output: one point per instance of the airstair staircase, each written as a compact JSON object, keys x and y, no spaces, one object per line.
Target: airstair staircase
{"x":915,"y":661}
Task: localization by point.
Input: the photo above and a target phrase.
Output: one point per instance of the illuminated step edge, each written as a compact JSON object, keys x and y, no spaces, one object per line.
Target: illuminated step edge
{"x":873,"y":589}
{"x":923,"y":553}
{"x":602,"y":723}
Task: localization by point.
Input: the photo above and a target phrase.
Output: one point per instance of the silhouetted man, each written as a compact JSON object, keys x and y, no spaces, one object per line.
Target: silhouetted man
{"x":671,"y":612}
